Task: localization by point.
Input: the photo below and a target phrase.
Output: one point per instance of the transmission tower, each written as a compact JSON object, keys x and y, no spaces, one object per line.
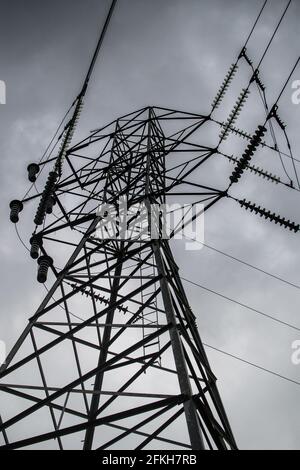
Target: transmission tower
{"x":112,"y":358}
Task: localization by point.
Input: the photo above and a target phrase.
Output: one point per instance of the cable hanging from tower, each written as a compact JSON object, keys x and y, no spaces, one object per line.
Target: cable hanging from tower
{"x":257,"y":138}
{"x":245,"y":91}
{"x":70,"y":129}
{"x":234,"y":67}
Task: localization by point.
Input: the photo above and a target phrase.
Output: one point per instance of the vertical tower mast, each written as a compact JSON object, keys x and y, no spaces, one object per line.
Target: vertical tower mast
{"x":152,"y":383}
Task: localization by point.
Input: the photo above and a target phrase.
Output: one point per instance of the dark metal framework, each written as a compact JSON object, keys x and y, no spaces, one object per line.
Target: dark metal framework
{"x":117,"y":308}
{"x":117,"y":313}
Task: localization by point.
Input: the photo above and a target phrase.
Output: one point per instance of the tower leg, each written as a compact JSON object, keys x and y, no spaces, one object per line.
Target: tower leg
{"x":183,"y":378}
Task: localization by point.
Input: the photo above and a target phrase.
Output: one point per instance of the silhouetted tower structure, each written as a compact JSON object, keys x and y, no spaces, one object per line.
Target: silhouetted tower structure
{"x":112,"y":358}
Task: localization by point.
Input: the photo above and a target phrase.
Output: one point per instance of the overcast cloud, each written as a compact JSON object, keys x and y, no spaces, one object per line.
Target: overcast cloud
{"x":170,"y":53}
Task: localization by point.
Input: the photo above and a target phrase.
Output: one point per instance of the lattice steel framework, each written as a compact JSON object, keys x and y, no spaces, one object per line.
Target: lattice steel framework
{"x":117,"y":312}
{"x":112,"y":358}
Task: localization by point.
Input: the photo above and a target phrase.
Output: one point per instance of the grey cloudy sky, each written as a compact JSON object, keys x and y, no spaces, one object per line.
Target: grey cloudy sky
{"x":170,"y":53}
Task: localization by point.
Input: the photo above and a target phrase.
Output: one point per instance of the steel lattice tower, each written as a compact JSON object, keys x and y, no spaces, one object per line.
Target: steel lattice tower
{"x":136,"y":330}
{"x":112,"y":358}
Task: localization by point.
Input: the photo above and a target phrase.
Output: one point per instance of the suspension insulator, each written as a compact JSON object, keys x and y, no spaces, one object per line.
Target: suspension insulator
{"x":248,"y":154}
{"x":255,"y":169}
{"x":262,"y":212}
{"x":257,"y":79}
{"x":246,"y":57}
{"x":67,"y":137}
{"x":15,"y":208}
{"x":224,"y":86}
{"x":44,"y":263}
{"x":36,"y":242}
{"x":274,"y":113}
{"x":33,"y":169}
{"x":64,"y":148}
{"x":265,"y":174}
{"x":99,"y":298}
{"x":50,"y":203}
{"x":58,"y":166}
{"x":233,"y":115}
{"x":49,"y":188}
{"x":280,"y":122}
{"x":236,"y":131}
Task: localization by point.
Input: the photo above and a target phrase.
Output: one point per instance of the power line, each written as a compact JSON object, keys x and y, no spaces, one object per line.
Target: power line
{"x":263,"y":144}
{"x":270,"y":317}
{"x":217,"y":293}
{"x":252,"y":364}
{"x":263,"y":97}
{"x":255,"y":23}
{"x":274,"y":34}
{"x":287,"y":80}
{"x":286,"y":136}
{"x":49,"y":146}
{"x":98,"y":47}
{"x":274,"y":276}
